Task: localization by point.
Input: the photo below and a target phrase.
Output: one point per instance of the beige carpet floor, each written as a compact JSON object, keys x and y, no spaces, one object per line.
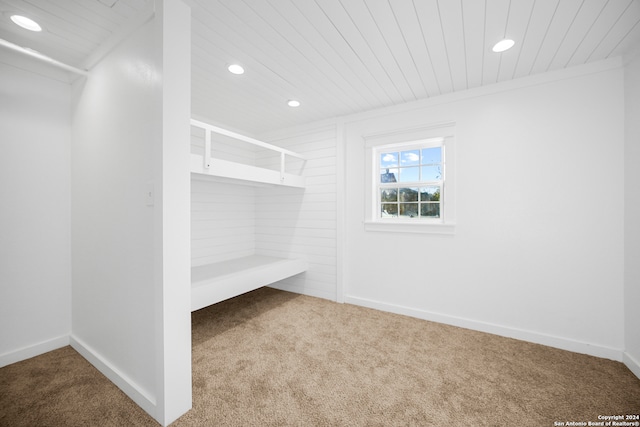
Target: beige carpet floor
{"x":272,"y":358}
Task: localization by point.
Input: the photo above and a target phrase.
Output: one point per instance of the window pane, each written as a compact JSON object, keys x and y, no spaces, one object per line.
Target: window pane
{"x":410,"y":158}
{"x":389,"y":175}
{"x":430,"y":194}
{"x":388,"y":160}
{"x":389,"y":210}
{"x":409,"y":174}
{"x":389,"y":195}
{"x":431,"y":155}
{"x":430,"y":210}
{"x":431,"y":173}
{"x":409,"y":210}
{"x":408,"y":194}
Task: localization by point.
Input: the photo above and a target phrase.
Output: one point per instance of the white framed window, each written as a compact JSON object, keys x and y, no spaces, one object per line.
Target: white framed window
{"x":411,"y":180}
{"x":411,"y":183}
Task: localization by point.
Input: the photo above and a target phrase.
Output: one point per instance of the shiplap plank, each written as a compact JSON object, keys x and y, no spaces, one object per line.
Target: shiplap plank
{"x":433,"y":37}
{"x":627,"y":35}
{"x":560,"y":26}
{"x":475,"y":45}
{"x":258,"y":38}
{"x":307,"y":250}
{"x":317,"y":18}
{"x":70,"y":23}
{"x":305,"y":197}
{"x":124,"y":7}
{"x":577,"y":35}
{"x":312,"y":61}
{"x":330,"y":57}
{"x":211,"y":81}
{"x":382,"y":12}
{"x":340,"y":18}
{"x":222,"y":221}
{"x":451,"y":14}
{"x":608,"y":17}
{"x":97,"y":13}
{"x":67,"y":49}
{"x":617,"y":32}
{"x":517,"y":27}
{"x":328,"y":260}
{"x":221,"y":256}
{"x":385,"y":41}
{"x":539,"y":23}
{"x":406,"y":18}
{"x":303,"y":225}
{"x":296,"y":240}
{"x":302,"y":232}
{"x":496,"y":17}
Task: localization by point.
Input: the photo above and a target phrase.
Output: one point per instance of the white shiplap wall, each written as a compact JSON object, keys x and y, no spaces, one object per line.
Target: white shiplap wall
{"x":293,"y":223}
{"x":222,"y":214}
{"x":222,"y":221}
{"x":233,"y":220}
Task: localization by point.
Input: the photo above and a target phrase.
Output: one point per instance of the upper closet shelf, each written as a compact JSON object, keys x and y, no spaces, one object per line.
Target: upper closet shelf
{"x":207,"y":165}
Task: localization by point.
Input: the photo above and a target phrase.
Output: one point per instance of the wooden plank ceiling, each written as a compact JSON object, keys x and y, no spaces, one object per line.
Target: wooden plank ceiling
{"x":345,"y":56}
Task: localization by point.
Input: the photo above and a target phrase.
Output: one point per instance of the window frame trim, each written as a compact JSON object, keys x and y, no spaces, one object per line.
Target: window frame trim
{"x":403,"y":140}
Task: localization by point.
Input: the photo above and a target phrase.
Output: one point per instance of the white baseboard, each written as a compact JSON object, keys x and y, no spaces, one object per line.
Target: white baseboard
{"x":33,"y":350}
{"x":519,"y":334}
{"x":124,"y":383}
{"x":632,"y":363}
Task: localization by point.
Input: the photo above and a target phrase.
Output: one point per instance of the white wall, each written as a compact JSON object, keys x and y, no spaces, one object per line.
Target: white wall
{"x":112,"y":227}
{"x":632,"y":214}
{"x":35,"y":265}
{"x":538,"y":248}
{"x":131,"y":300}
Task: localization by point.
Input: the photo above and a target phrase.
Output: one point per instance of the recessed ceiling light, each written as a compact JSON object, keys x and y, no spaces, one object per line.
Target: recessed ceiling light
{"x":293,"y":103}
{"x":26,"y":23}
{"x":503,"y":45}
{"x":235,"y":69}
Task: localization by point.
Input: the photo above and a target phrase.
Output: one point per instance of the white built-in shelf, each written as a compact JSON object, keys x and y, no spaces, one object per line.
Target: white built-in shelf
{"x":206,"y":165}
{"x":212,"y":283}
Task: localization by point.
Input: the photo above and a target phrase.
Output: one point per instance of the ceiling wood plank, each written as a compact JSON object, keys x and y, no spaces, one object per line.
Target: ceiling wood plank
{"x":496,"y":21}
{"x":320,"y":22}
{"x":98,"y":13}
{"x":539,"y":23}
{"x":475,"y":45}
{"x":560,"y":27}
{"x":455,"y":42}
{"x":70,"y":23}
{"x":330,"y":57}
{"x":227,"y":29}
{"x":315,"y":63}
{"x":625,"y":37}
{"x":407,"y":21}
{"x":517,"y":26}
{"x":608,"y":19}
{"x":583,"y":23}
{"x":386,"y":43}
{"x":344,"y":24}
{"x":433,"y":38}
{"x":299,"y":71}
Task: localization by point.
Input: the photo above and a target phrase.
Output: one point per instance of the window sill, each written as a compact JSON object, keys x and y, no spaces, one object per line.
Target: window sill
{"x":410,"y":227}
